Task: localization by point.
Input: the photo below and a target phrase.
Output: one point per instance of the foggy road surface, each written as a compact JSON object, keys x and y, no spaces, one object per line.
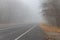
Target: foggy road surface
{"x":23,"y":32}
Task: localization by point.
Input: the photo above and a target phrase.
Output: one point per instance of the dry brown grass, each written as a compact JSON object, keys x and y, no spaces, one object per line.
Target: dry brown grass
{"x":49,"y":28}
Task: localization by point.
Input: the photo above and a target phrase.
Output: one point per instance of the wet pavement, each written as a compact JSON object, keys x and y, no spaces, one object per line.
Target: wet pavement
{"x":23,"y":32}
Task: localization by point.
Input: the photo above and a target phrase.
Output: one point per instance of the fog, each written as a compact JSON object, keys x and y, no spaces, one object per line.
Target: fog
{"x":19,"y":11}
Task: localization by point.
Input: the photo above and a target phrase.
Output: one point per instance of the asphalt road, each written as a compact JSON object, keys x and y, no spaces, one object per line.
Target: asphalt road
{"x":23,"y":32}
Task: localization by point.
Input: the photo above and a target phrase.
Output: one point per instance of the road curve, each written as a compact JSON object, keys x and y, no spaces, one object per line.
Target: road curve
{"x":23,"y":32}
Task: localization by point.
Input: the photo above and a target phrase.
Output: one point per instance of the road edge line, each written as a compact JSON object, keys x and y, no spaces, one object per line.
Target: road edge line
{"x":25,"y":33}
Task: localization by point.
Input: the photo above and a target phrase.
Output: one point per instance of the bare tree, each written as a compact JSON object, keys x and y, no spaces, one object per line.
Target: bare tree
{"x":51,"y":11}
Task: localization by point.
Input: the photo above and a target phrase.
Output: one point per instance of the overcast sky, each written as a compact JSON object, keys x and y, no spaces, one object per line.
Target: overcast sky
{"x":11,"y":11}
{"x":34,"y":7}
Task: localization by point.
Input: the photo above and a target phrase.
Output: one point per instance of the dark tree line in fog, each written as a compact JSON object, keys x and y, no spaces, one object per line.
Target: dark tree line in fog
{"x":51,"y":11}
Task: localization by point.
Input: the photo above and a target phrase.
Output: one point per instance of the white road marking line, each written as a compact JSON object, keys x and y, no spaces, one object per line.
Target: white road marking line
{"x":1,"y":29}
{"x":25,"y":33}
{"x":4,"y":29}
